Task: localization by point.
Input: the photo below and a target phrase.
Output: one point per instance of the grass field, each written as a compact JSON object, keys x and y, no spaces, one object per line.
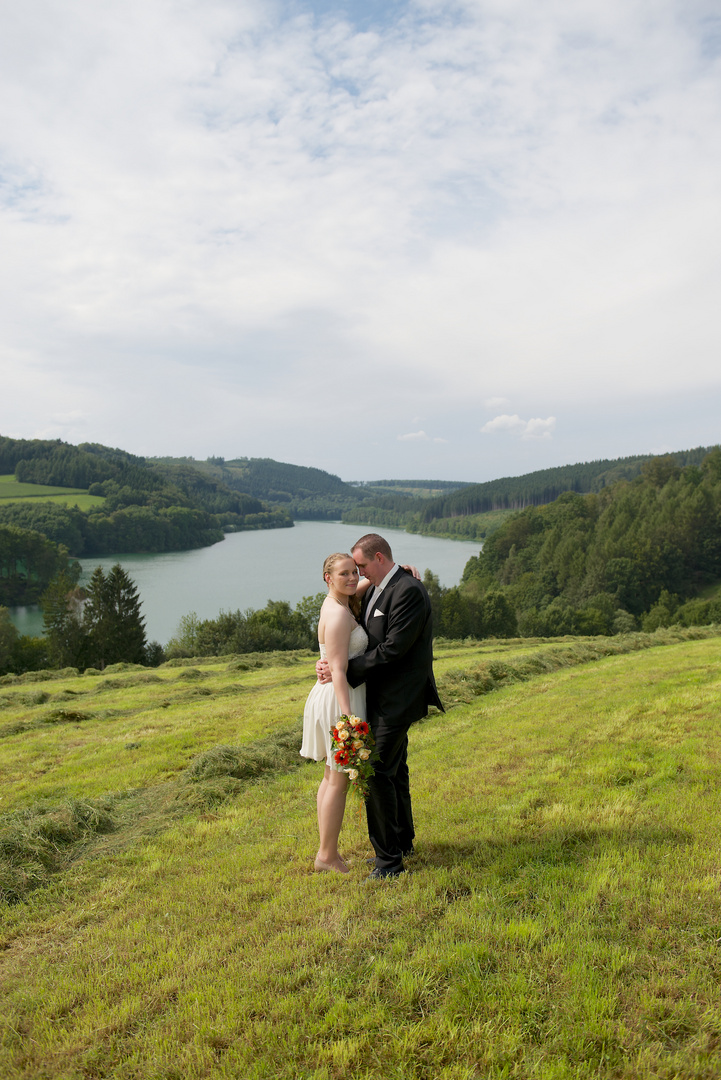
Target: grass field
{"x":12,"y":491}
{"x":562,"y":916}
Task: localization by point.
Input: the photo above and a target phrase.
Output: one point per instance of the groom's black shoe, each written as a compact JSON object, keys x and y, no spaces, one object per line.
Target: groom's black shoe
{"x":381,"y":873}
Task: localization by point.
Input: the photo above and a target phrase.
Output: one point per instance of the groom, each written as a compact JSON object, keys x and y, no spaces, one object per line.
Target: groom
{"x":397,"y":669}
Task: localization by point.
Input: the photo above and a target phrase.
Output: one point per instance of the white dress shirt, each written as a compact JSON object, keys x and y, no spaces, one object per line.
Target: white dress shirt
{"x":377,"y":590}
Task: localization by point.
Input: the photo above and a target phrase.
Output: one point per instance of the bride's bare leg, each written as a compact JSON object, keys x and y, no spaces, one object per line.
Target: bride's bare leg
{"x":331,"y":806}
{"x":321,"y":795}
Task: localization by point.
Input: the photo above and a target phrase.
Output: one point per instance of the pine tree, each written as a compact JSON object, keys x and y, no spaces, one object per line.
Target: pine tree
{"x":97,"y":626}
{"x":113,"y":620}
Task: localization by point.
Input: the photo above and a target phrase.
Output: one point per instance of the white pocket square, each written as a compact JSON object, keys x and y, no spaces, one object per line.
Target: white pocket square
{"x":378,"y":613}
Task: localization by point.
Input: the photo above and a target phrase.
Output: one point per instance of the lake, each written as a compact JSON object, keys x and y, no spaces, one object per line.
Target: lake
{"x":248,"y":569}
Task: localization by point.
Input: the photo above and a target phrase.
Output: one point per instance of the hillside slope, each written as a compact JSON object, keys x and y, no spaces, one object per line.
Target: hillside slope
{"x":474,"y":511}
{"x":138,"y":506}
{"x":560,"y":917}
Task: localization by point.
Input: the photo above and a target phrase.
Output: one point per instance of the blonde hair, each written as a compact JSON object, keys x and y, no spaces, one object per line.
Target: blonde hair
{"x":353,"y":602}
{"x":332,"y":560}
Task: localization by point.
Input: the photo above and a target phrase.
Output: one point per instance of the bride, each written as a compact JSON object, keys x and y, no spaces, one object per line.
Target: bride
{"x":341,"y":637}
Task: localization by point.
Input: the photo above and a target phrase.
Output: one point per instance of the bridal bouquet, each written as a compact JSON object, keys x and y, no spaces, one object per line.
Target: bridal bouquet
{"x":352,"y":745}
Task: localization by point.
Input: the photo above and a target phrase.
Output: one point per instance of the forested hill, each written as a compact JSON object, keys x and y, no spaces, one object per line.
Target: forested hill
{"x":267,"y":478}
{"x":143,"y":506}
{"x":545,"y":485}
{"x":313,"y":494}
{"x":472,"y":511}
{"x":647,"y":551}
{"x":307,"y":493}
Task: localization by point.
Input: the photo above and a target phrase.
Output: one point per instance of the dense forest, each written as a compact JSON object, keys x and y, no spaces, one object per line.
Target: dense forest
{"x":305,"y":493}
{"x":312,"y":494}
{"x":277,"y":626}
{"x":545,"y":485}
{"x":635,"y":554}
{"x":28,"y":562}
{"x":472,"y":511}
{"x":432,"y":507}
{"x":596,"y":548}
{"x":146,"y":507}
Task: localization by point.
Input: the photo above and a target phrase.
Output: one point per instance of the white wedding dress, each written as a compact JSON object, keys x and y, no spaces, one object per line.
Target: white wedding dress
{"x":322,"y":709}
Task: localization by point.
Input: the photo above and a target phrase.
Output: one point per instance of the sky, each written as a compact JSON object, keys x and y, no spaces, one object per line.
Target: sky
{"x":443,"y":239}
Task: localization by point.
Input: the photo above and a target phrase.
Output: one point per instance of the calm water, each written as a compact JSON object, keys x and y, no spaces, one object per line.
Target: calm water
{"x":248,"y":569}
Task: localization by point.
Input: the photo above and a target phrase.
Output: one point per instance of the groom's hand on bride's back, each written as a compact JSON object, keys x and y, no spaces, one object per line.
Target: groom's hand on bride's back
{"x":322,"y":670}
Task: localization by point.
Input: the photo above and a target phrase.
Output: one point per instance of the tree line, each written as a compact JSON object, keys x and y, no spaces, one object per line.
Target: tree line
{"x":97,"y":625}
{"x":459,"y":513}
{"x":28,"y":563}
{"x":303,"y":492}
{"x":277,"y":626}
{"x":634,"y":554}
{"x":88,"y":627}
{"x":132,"y":529}
{"x":102,"y":624}
{"x":146,"y":507}
{"x":545,"y":485}
{"x":310,"y":494}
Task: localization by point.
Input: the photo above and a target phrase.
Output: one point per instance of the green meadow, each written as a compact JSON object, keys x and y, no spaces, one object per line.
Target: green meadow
{"x":12,"y":491}
{"x":561,"y":917}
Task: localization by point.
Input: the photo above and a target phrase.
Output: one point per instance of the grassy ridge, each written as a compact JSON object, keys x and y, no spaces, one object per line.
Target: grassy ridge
{"x":83,"y":502}
{"x":561,"y":918}
{"x":12,"y":491}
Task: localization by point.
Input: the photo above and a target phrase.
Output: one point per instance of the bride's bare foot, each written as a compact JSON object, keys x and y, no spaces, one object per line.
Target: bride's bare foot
{"x":337,"y":865}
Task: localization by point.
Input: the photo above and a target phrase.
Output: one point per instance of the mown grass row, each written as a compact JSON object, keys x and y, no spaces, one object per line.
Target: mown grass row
{"x":42,"y":840}
{"x":464,"y":684}
{"x":561,"y":918}
{"x":45,"y":837}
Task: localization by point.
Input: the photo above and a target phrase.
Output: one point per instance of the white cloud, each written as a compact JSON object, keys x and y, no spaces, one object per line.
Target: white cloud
{"x":421,"y":436}
{"x":527,"y":429}
{"x":504,"y":423}
{"x":227,"y":206}
{"x":540,"y":429}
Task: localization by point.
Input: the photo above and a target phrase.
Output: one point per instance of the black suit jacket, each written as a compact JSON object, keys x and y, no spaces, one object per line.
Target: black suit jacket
{"x":397,"y":666}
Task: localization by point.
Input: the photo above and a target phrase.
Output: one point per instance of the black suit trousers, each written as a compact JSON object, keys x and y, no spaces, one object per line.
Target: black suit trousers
{"x":388,"y":806}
